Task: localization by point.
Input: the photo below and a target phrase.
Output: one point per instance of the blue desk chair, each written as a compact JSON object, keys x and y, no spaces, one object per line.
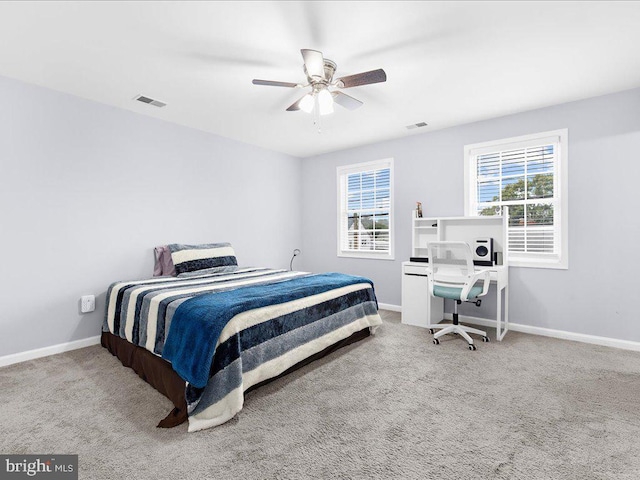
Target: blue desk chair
{"x":452,"y":275}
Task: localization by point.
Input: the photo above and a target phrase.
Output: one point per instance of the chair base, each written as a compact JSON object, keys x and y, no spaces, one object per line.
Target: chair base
{"x":462,"y":330}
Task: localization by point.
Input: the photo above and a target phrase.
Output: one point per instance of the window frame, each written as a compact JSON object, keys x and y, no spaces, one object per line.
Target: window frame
{"x":341,"y":174}
{"x":560,"y":259}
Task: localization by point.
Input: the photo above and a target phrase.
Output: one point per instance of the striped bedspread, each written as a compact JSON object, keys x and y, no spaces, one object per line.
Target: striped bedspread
{"x":252,"y":345}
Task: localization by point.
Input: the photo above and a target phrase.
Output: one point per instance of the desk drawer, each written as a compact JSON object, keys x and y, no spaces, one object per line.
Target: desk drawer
{"x":414,"y":270}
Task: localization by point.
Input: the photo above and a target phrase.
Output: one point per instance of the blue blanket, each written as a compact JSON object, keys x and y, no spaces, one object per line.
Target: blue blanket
{"x":198,"y":322}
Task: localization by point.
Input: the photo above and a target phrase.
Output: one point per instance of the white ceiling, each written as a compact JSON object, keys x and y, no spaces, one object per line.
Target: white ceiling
{"x":447,"y":63}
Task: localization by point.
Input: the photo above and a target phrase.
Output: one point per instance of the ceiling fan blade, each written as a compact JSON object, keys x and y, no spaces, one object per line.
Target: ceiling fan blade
{"x":296,"y":105}
{"x":313,"y":63}
{"x":272,"y":83}
{"x":346,"y":101}
{"x":365,"y":78}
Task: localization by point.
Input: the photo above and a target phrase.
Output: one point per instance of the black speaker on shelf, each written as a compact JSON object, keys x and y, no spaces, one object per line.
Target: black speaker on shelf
{"x":483,"y":251}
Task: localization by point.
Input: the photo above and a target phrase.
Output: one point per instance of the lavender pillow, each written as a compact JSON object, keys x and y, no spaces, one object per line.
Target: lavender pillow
{"x":164,"y":264}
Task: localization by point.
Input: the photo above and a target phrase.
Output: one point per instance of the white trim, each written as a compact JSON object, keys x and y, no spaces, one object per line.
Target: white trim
{"x":545,"y":332}
{"x":341,"y":172}
{"x":537,"y":264}
{"x":517,"y":141}
{"x":366,"y":255}
{"x":363,"y":166}
{"x":562,"y":193}
{"x":550,"y":332}
{"x":390,"y":307}
{"x":47,"y":351}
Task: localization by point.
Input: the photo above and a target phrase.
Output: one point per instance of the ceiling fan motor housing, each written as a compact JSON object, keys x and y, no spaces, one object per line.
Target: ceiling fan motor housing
{"x":329,"y":69}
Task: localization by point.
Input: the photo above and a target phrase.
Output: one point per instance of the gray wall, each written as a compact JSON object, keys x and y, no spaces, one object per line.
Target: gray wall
{"x":87,"y":191}
{"x":596,"y":295}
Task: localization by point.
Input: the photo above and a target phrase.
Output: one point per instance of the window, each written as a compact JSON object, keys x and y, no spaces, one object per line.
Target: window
{"x":529,"y":175}
{"x":365,"y":213}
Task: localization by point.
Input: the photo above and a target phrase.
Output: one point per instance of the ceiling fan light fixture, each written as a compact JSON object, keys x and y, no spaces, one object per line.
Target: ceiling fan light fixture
{"x":306,"y":104}
{"x":325,"y":102}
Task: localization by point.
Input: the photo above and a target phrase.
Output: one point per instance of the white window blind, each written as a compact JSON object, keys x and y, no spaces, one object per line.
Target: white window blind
{"x":365,"y":214}
{"x":524,"y":175}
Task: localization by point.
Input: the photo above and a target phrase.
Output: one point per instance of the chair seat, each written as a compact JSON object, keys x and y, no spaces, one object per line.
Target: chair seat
{"x":454,"y":293}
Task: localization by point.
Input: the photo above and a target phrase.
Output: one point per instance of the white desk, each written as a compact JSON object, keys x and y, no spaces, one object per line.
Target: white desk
{"x":421,"y":309}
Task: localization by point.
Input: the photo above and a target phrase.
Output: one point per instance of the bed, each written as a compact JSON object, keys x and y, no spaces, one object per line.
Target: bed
{"x":206,"y":336}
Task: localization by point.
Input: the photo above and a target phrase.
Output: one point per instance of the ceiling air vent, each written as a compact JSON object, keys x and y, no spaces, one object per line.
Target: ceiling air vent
{"x":416,"y":125}
{"x":150,"y":101}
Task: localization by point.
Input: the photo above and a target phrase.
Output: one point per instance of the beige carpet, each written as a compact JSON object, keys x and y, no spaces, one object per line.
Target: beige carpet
{"x":391,"y":406}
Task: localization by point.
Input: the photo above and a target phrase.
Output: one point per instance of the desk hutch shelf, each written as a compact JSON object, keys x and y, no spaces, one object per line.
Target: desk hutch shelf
{"x":466,"y":229}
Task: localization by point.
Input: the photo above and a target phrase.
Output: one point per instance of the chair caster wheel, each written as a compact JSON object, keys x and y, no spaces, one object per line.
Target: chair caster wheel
{"x":432,"y":331}
{"x":485,"y":339}
{"x":436,"y":341}
{"x":472,"y":346}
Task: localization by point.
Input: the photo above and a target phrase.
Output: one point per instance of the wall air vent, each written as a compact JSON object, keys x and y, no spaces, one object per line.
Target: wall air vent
{"x":416,"y":125}
{"x":150,"y":101}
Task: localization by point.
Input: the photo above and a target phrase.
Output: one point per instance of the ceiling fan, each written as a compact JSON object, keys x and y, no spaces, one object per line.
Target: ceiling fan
{"x":319,"y":72}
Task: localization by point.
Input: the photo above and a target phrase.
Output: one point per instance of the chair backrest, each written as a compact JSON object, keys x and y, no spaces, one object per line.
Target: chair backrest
{"x":451,"y":264}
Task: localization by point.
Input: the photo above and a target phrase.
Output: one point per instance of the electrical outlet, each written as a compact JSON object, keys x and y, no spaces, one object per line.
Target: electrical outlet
{"x":87,"y":303}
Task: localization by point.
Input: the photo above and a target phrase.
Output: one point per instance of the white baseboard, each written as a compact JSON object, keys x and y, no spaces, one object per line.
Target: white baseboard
{"x":516,"y":327}
{"x":549,"y":332}
{"x":545,"y":332}
{"x":46,"y":351}
{"x":390,"y":307}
